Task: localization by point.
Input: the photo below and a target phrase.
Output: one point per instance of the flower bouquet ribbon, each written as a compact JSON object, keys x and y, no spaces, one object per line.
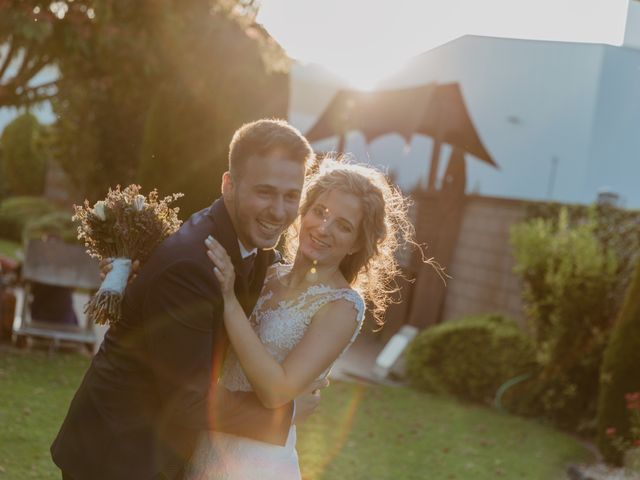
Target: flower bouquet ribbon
{"x":125,"y":226}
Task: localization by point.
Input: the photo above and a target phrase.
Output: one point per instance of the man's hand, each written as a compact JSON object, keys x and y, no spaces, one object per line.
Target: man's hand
{"x":106,"y":267}
{"x":307,"y":403}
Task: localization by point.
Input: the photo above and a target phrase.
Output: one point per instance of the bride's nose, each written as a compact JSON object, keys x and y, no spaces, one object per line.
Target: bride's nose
{"x":325,"y":225}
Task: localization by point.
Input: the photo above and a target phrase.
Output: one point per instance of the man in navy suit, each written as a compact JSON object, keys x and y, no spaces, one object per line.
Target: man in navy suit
{"x":150,"y":390}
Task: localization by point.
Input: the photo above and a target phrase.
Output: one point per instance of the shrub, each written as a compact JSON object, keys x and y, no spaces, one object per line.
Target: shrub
{"x":56,"y":224}
{"x":620,"y":377}
{"x":17,"y":212}
{"x":616,"y":229}
{"x":4,"y":187}
{"x":469,"y":358}
{"x":23,"y":155}
{"x":570,"y":296}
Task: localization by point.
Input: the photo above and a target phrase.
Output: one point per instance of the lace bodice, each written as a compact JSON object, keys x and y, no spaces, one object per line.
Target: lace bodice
{"x":282,"y":326}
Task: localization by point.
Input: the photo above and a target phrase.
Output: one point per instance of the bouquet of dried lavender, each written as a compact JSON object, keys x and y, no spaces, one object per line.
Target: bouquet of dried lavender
{"x":124,"y":226}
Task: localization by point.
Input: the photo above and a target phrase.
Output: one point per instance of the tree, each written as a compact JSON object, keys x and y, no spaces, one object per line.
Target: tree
{"x":570,"y":281}
{"x":619,"y":378}
{"x":165,"y":81}
{"x":23,"y":155}
{"x":33,"y":35}
{"x":228,"y":72}
{"x":117,"y":59}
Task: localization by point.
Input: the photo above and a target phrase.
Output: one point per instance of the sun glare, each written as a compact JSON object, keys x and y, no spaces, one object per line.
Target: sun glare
{"x":363,"y":41}
{"x":363,"y":76}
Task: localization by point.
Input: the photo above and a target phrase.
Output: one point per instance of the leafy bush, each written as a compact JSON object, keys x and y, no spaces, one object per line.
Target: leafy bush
{"x":56,"y":224}
{"x":616,"y":229}
{"x":4,"y":187}
{"x":619,"y":377}
{"x":17,"y":212}
{"x":469,"y":358}
{"x":23,"y":155}
{"x":570,"y":293}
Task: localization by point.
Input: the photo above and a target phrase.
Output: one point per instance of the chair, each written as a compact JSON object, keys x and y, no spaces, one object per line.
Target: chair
{"x":58,"y":264}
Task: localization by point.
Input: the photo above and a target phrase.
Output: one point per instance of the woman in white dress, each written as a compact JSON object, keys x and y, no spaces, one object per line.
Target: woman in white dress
{"x":309,"y":312}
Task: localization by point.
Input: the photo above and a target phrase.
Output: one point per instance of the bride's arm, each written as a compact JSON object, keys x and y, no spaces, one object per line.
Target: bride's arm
{"x":277,"y":384}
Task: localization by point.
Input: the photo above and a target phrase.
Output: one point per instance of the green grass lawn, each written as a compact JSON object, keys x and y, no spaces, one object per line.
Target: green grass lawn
{"x":358,"y":432}
{"x":9,"y":248}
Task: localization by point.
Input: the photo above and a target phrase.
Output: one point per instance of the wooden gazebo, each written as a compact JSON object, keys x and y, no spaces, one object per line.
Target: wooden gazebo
{"x":437,"y":111}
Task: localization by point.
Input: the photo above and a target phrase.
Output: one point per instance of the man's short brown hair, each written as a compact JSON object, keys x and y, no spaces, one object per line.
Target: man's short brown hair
{"x":263,"y":137}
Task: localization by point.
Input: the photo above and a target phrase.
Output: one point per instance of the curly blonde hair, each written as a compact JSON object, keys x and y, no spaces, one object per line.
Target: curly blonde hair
{"x":385,"y":227}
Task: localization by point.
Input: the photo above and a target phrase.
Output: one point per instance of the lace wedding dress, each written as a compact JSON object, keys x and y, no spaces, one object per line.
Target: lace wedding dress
{"x":280,"y":326}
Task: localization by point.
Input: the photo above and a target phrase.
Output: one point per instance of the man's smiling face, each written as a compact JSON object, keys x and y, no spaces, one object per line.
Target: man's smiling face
{"x":263,"y":200}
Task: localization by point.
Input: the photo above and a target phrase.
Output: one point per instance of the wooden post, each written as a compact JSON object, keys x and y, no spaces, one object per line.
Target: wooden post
{"x":341,"y":142}
{"x":438,"y":225}
{"x":435,"y":162}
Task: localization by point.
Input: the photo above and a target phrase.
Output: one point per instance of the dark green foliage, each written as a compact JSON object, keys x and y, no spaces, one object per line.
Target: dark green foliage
{"x":620,"y":373}
{"x":176,"y":77}
{"x":17,"y":212}
{"x":157,"y":92}
{"x":175,"y":159}
{"x":614,"y":228}
{"x":564,"y":394}
{"x":35,"y":34}
{"x":103,"y":96}
{"x":23,"y":155}
{"x":571,"y":271}
{"x":57,"y":224}
{"x":469,"y":358}
{"x":4,"y":187}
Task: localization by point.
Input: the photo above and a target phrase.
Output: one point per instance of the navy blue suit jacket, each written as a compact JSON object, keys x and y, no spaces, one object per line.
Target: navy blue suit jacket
{"x":150,"y":389}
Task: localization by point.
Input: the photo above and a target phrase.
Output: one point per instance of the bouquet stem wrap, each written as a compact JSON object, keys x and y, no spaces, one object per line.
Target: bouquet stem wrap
{"x":104,"y":306}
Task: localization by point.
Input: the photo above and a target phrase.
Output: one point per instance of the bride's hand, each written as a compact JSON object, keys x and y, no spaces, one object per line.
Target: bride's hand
{"x":224,"y":271}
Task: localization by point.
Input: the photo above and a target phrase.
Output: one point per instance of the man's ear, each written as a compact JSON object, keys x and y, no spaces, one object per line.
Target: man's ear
{"x":227,"y":185}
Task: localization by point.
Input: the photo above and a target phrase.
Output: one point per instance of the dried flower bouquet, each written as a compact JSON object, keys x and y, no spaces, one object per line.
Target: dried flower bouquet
{"x":124,"y":226}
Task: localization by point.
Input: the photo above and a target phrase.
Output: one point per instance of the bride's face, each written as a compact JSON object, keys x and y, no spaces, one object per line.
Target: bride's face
{"x":329,"y":230}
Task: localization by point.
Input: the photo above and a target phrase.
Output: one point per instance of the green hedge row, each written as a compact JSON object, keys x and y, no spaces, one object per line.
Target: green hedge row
{"x":619,"y":377}
{"x":32,"y":217}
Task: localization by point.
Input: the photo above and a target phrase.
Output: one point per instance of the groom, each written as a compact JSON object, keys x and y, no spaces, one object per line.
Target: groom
{"x":151,"y":388}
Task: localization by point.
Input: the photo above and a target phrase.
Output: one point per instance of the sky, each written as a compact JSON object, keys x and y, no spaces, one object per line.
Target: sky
{"x":365,"y":40}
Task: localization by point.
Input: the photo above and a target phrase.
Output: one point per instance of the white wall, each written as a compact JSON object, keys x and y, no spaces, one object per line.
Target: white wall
{"x":632,"y":30}
{"x":614,"y":154}
{"x":531,"y":101}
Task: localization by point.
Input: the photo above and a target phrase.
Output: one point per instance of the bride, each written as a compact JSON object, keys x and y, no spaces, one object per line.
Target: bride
{"x":309,"y":311}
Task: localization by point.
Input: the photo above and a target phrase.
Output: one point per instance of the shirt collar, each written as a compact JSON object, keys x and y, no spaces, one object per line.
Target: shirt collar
{"x":244,"y":253}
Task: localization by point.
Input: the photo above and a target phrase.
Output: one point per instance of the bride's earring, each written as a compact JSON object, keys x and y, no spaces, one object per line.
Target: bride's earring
{"x":312,"y":274}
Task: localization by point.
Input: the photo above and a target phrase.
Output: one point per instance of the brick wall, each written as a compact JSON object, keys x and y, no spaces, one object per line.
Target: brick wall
{"x":482,"y":264}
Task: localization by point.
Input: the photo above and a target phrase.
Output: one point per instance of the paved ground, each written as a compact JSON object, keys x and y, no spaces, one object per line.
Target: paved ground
{"x":356,"y":365}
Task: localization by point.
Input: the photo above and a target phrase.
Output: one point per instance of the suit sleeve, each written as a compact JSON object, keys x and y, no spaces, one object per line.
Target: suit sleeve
{"x":186,"y":342}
